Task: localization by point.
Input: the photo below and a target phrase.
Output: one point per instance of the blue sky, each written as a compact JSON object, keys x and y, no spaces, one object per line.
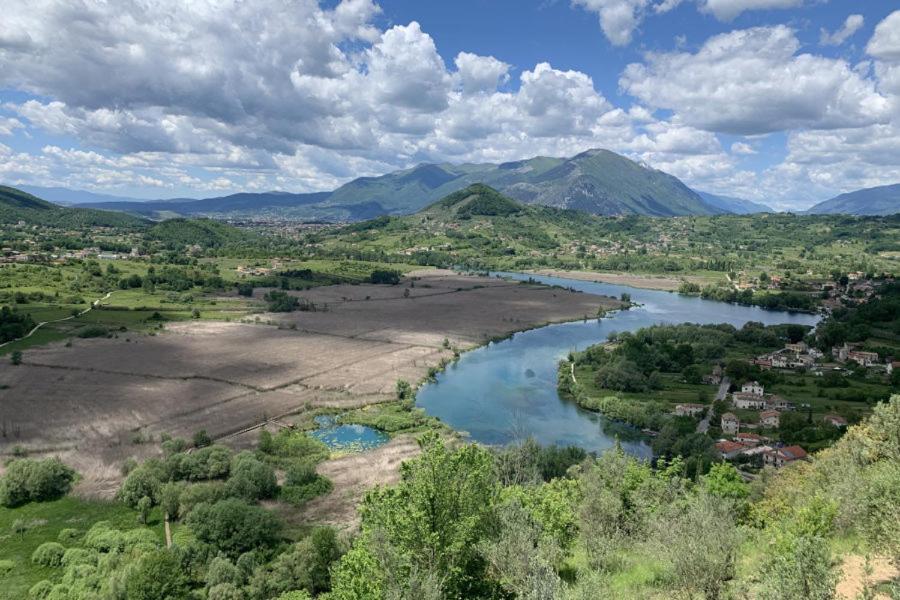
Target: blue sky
{"x":783,"y":101}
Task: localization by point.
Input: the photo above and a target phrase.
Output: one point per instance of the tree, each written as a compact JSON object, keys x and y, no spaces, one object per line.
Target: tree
{"x":233,"y":526}
{"x":29,"y":480}
{"x":698,"y":539}
{"x":521,"y":558}
{"x":157,"y":576}
{"x":799,"y":562}
{"x":438,"y":512}
{"x":251,"y":479}
{"x":404,"y":390}
{"x":201,"y":439}
{"x":16,"y":357}
{"x":143,"y":506}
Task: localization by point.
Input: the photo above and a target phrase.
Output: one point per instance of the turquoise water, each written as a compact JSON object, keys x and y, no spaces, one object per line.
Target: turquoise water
{"x":507,"y":390}
{"x":355,"y":438}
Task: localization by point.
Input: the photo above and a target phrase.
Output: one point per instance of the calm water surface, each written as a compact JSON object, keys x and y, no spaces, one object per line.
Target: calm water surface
{"x":354,"y":438}
{"x":507,"y":390}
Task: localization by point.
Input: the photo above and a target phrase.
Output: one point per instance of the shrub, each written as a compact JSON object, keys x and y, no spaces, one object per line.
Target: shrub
{"x":251,"y":479}
{"x":6,"y":567}
{"x":48,"y":554}
{"x":302,"y":484}
{"x":35,"y":480}
{"x":141,"y":482}
{"x":78,"y":556}
{"x":40,"y":590}
{"x":68,"y":536}
{"x":233,"y":526}
{"x":93,"y":331}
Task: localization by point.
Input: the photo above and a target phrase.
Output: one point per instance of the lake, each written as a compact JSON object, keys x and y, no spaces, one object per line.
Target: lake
{"x":506,"y":391}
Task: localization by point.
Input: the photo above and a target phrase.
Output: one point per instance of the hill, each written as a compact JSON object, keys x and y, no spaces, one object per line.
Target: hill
{"x":178,"y":233}
{"x":596,"y":181}
{"x":16,"y":205}
{"x":883,"y":200}
{"x":732,"y":205}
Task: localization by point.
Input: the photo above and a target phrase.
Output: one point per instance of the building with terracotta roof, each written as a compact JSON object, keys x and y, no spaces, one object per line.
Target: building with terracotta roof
{"x":778,"y":457}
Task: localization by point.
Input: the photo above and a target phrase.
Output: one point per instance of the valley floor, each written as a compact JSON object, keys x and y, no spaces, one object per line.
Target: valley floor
{"x":98,"y":401}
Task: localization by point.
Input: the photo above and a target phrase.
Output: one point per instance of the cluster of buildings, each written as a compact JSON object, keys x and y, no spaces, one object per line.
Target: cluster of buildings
{"x":850,"y":353}
{"x":256,"y":271}
{"x":792,"y":356}
{"x":753,"y":397}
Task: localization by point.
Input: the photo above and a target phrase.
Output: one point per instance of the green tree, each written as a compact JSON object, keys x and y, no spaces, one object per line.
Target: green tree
{"x":29,"y":480}
{"x":438,"y":512}
{"x":157,"y":576}
{"x":233,"y":526}
{"x":16,"y":357}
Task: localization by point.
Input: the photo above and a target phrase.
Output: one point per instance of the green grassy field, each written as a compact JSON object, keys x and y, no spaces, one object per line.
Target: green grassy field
{"x":44,"y":521}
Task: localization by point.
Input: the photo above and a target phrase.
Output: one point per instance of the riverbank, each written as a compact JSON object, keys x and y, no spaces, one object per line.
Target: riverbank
{"x":647,"y":282}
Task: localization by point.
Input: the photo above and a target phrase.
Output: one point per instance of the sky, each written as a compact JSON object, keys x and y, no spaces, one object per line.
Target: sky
{"x":788,"y":102}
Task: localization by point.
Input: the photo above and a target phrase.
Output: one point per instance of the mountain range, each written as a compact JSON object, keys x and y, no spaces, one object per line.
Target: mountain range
{"x":882,"y":200}
{"x":596,"y":181}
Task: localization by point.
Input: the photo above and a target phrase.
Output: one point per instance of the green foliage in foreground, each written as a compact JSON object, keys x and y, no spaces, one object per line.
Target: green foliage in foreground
{"x":468,"y":522}
{"x":29,"y":480}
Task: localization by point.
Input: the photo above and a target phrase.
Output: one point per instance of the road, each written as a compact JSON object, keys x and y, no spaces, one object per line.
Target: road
{"x":93,"y":304}
{"x":703,"y":425}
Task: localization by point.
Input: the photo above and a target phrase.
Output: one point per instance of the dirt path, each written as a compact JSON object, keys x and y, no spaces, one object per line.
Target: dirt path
{"x":854,"y":577}
{"x":93,"y":304}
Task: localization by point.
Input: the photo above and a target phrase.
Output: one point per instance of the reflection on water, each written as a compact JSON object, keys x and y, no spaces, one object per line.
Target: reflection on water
{"x":352,"y":438}
{"x":507,"y":390}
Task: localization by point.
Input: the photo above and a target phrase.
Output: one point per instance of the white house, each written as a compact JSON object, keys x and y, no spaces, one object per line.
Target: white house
{"x":748,"y":401}
{"x":752,"y":387}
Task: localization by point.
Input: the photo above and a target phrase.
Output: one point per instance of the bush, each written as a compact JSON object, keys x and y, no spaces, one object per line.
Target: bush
{"x":251,"y":479}
{"x":281,"y":301}
{"x":233,"y":526}
{"x":35,"y":480}
{"x":302,"y":484}
{"x":68,"y":536}
{"x":93,"y":331}
{"x":40,"y":590}
{"x":48,"y":554}
{"x":141,"y":482}
{"x":384,"y":276}
{"x":6,"y":567}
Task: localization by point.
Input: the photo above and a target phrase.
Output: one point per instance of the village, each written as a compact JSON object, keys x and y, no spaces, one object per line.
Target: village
{"x":755,"y":439}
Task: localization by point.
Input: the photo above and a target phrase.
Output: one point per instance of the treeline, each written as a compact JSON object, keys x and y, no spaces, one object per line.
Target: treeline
{"x":14,"y":324}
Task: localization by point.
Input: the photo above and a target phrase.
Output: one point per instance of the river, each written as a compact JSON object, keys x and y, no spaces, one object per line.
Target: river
{"x":506,"y":390}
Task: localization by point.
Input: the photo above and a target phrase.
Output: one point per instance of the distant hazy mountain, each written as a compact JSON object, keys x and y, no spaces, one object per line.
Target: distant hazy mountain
{"x":244,"y":202}
{"x":883,"y":200}
{"x":732,"y":205}
{"x":18,"y":206}
{"x":66,"y":196}
{"x":597,"y":181}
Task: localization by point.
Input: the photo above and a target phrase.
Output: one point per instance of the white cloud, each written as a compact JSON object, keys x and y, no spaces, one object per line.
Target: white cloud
{"x":753,"y":81}
{"x":726,"y":10}
{"x":8,"y":125}
{"x":851,"y":25}
{"x":885,"y":42}
{"x":742,"y":148}
{"x":618,"y":18}
{"x":480,"y":73}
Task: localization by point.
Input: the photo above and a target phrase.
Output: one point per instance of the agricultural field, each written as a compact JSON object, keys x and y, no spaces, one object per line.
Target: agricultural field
{"x":105,"y":398}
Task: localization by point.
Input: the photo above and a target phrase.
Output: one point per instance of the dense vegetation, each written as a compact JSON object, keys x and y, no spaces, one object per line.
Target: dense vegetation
{"x":519,"y":522}
{"x":16,"y":205}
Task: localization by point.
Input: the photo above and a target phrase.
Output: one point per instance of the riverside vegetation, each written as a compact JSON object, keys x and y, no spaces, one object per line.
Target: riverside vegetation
{"x":465,"y":522}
